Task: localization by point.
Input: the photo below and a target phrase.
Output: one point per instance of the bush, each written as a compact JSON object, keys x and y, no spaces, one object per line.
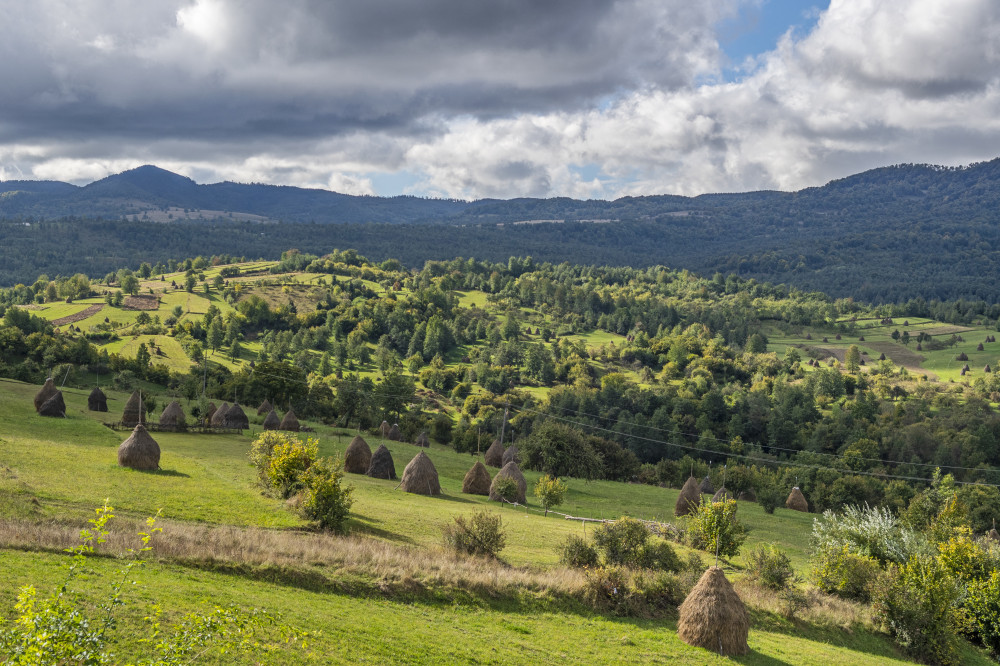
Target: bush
{"x":770,"y":492}
{"x":326,"y":499}
{"x":261,"y":448}
{"x":982,"y":604}
{"x":839,"y":571}
{"x":506,"y":487}
{"x":621,"y":541}
{"x":713,"y":527}
{"x":915,"y":604}
{"x":288,"y":463}
{"x":634,"y":593}
{"x":576,"y":552}
{"x":660,"y":556}
{"x":770,"y":567}
{"x":607,"y":589}
{"x":482,"y":534}
{"x":868,"y":531}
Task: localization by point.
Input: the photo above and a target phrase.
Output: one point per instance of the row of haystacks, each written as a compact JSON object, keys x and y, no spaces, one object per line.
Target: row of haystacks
{"x":288,"y":422}
{"x":691,"y":492}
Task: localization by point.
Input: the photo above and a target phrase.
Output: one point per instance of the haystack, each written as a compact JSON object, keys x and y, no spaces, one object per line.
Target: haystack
{"x":236,"y":418}
{"x":713,"y":616}
{"x":219,"y":415}
{"x":172,"y":417}
{"x":134,"y":413}
{"x":382,"y":466}
{"x":420,"y":476}
{"x":271,"y":421}
{"x":290,"y":422}
{"x":797,"y":501}
{"x":423,"y":440}
{"x":512,"y":471}
{"x":384,"y":428}
{"x":209,"y":413}
{"x":511,"y":454}
{"x":494,"y":454}
{"x":394,"y":433}
{"x":264,"y":408}
{"x":993,"y":535}
{"x":689,"y":499}
{"x":139,"y":451}
{"x":477,"y":480}
{"x":747,"y":495}
{"x":47,"y":391}
{"x":706,"y":487}
{"x":358,"y":456}
{"x":722,"y":494}
{"x":54,"y":406}
{"x":97,"y":401}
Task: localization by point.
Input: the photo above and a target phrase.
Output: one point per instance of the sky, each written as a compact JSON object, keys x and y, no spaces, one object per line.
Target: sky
{"x":507,"y":98}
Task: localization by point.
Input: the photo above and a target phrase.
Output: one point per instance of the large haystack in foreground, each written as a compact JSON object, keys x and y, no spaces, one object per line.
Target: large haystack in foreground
{"x":797,"y":501}
{"x":264,"y":408}
{"x":494,"y":454}
{"x":477,"y":480}
{"x":713,"y":616}
{"x":47,"y":391}
{"x":420,"y":476}
{"x":134,"y":412}
{"x":689,"y":499}
{"x":511,"y":471}
{"x":511,"y":454}
{"x":271,"y":421}
{"x":290,"y":422}
{"x":382,"y":465}
{"x":219,"y":416}
{"x":172,"y":417}
{"x":97,"y":401}
{"x":236,"y":418}
{"x":139,"y":451}
{"x":54,"y":406}
{"x":358,"y":456}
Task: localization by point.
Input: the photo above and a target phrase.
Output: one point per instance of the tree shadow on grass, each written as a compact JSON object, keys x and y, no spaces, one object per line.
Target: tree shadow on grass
{"x":361,"y":524}
{"x":163,"y":472}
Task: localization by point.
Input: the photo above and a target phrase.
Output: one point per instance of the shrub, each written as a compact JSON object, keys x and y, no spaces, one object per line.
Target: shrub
{"x":982,"y":603}
{"x":550,"y":492}
{"x":839,"y":571}
{"x":288,"y":463}
{"x":770,"y":492}
{"x":868,"y":531}
{"x":607,"y":589}
{"x":576,"y":552}
{"x":770,"y":567}
{"x":261,"y":448}
{"x":326,"y":499}
{"x":713,"y":527}
{"x":621,"y":541}
{"x":625,"y":592}
{"x":506,"y":487}
{"x":965,"y":559}
{"x":658,"y":555}
{"x":915,"y":604}
{"x":482,"y":534}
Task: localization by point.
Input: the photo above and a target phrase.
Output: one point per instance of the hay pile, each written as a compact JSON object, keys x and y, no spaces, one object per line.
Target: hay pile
{"x":139,"y":451}
{"x":993,"y":535}
{"x":512,"y":471}
{"x":797,"y":501}
{"x":382,"y":466}
{"x":722,"y":494}
{"x":134,"y":413}
{"x":209,"y":413}
{"x":747,"y":495}
{"x":494,"y":454}
{"x":271,"y":421}
{"x":236,"y":418}
{"x":47,"y":391}
{"x":358,"y":456}
{"x":384,"y":428}
{"x":172,"y":417}
{"x":394,"y":433}
{"x":706,"y":487}
{"x":511,"y":454}
{"x":689,"y":499}
{"x":54,"y":406}
{"x":423,"y":440}
{"x":420,"y":476}
{"x":97,"y":401}
{"x":477,"y":480}
{"x":264,"y":408}
{"x":290,"y":422}
{"x":219,"y":416}
{"x":713,"y":616}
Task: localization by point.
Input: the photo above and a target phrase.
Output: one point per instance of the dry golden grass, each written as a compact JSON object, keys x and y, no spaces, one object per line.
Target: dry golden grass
{"x":813,"y":606}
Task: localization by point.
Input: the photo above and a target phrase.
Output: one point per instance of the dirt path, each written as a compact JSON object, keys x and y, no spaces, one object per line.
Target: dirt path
{"x":79,"y":316}
{"x":902,"y":356}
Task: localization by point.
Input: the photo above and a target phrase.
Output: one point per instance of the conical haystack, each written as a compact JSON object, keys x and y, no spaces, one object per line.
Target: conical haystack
{"x":264,"y":408}
{"x":747,"y":495}
{"x":139,"y":451}
{"x":172,"y":417}
{"x":477,"y":480}
{"x":423,"y":440}
{"x":54,"y":406}
{"x":689,"y":499}
{"x":385,"y":428}
{"x":722,"y":494}
{"x":289,"y":422}
{"x":134,"y":413}
{"x":236,"y":418}
{"x":713,"y":616}
{"x":797,"y":501}
{"x":494,"y":454}
{"x":209,"y":413}
{"x":219,"y":415}
{"x":47,"y":391}
{"x":706,"y":487}
{"x":97,"y":401}
{"x":271,"y":421}
{"x":382,"y":466}
{"x":510,"y":470}
{"x":993,"y":535}
{"x":420,"y":476}
{"x":511,"y":454}
{"x":358,"y":456}
{"x":394,"y":433}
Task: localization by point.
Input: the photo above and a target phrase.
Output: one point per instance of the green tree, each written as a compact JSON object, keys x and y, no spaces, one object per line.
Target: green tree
{"x":550,"y":492}
{"x":216,"y":335}
{"x":130,"y":284}
{"x":714,"y":527}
